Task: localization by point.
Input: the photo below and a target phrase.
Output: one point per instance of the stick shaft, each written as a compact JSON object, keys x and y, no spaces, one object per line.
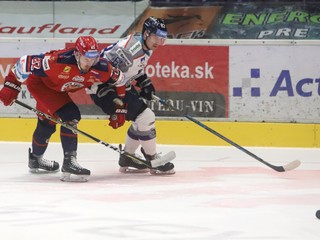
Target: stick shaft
{"x":58,"y":121}
{"x":276,"y":168}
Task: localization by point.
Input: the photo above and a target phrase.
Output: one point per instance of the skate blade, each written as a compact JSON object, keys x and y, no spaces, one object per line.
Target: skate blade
{"x":68,"y":177}
{"x":128,"y":170}
{"x":41,"y":171}
{"x":161,"y":173}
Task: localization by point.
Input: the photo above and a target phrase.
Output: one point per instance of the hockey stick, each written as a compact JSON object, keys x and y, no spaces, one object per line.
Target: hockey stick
{"x":290,"y":166}
{"x":152,"y":164}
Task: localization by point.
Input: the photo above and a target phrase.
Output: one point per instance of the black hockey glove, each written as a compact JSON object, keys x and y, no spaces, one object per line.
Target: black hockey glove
{"x":105,"y":89}
{"x":146,"y":86}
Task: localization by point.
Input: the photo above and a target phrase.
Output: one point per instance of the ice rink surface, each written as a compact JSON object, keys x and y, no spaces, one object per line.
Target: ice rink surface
{"x":216,"y":193}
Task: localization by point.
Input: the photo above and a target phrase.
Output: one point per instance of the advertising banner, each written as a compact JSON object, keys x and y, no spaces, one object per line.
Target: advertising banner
{"x":182,"y":22}
{"x":275,"y":83}
{"x":254,"y":20}
{"x":60,"y":19}
{"x":193,"y":78}
{"x":267,"y":21}
{"x":114,"y":19}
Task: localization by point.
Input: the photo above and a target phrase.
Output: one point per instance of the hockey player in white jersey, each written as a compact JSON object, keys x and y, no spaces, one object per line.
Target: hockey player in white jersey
{"x":131,"y":55}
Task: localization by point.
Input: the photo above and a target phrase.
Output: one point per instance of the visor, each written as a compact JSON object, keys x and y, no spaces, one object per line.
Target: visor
{"x":91,"y":54}
{"x":161,"y":33}
{"x":157,"y":39}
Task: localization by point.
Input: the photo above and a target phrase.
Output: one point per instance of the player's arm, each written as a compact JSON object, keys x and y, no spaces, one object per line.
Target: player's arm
{"x":115,"y":83}
{"x":13,"y":81}
{"x":26,"y":65}
{"x":114,"y":91}
{"x":146,"y":87}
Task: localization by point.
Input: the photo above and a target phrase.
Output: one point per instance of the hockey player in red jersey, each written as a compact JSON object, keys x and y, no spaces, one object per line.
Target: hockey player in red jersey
{"x":131,"y":55}
{"x":50,"y":77}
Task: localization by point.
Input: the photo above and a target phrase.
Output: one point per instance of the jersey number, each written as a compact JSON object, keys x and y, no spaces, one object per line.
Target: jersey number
{"x":36,"y":63}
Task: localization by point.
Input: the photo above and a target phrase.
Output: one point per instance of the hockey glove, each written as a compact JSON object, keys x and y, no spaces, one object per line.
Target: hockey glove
{"x":9,"y":92}
{"x":118,"y":118}
{"x":146,"y":86}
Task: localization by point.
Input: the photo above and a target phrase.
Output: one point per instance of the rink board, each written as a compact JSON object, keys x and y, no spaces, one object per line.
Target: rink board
{"x":182,"y":132}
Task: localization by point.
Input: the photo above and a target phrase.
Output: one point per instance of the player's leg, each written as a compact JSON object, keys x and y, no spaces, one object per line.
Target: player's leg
{"x":70,"y":114}
{"x":143,"y":129}
{"x":141,"y":132}
{"x":41,"y":136}
{"x":107,"y":105}
{"x":132,"y":143}
{"x":40,"y":141}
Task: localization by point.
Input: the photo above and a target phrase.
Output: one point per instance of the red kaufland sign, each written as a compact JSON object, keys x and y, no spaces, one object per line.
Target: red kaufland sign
{"x":51,"y":28}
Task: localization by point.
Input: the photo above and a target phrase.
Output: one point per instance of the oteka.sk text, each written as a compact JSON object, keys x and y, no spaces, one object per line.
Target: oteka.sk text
{"x":174,"y":70}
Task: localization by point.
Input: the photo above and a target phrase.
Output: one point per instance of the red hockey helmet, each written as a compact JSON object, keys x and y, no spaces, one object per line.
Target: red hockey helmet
{"x":87,"y":46}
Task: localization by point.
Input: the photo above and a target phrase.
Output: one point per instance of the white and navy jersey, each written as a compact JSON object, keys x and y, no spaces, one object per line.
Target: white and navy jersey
{"x":128,"y":55}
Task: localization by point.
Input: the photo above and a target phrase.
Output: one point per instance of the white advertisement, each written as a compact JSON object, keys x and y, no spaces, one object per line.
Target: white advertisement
{"x":50,"y":19}
{"x":274,"y":83}
{"x":64,"y":26}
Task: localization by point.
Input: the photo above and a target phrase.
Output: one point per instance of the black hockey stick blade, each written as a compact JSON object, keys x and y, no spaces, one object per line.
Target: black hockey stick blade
{"x":288,"y":167}
{"x":153,"y":164}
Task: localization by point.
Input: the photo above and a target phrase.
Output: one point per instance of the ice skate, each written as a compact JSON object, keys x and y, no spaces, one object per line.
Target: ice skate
{"x":127,"y":165}
{"x":72,"y":171}
{"x":37,"y":164}
{"x":166,"y":169}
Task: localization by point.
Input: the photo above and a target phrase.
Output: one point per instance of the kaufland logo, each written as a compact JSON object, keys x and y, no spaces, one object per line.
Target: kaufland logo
{"x":55,"y":29}
{"x":285,"y":84}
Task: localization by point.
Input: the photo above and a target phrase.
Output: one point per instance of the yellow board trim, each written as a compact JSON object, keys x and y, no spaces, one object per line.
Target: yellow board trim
{"x":181,"y":132}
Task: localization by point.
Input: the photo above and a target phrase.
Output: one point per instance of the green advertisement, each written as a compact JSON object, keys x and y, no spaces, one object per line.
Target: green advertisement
{"x":252,"y":21}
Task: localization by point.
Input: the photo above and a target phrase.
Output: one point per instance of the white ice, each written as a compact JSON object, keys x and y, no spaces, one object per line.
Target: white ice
{"x":216,"y":193}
